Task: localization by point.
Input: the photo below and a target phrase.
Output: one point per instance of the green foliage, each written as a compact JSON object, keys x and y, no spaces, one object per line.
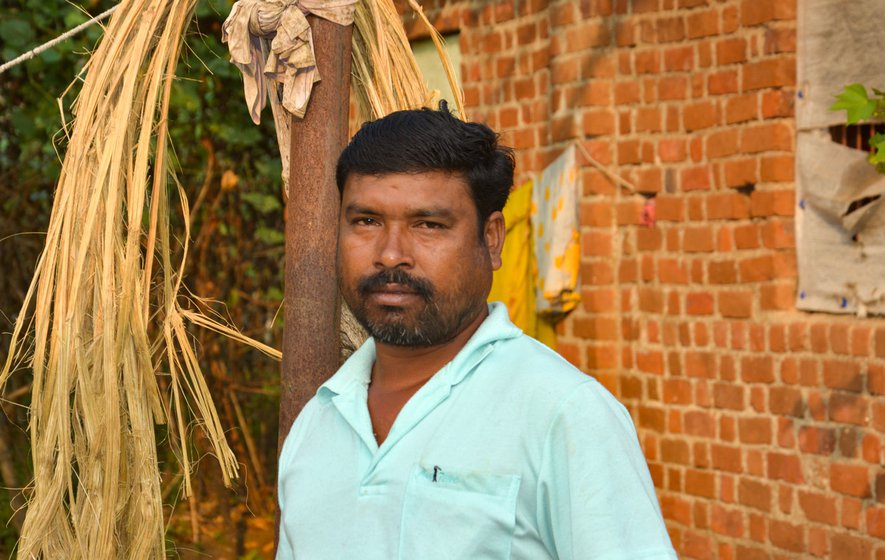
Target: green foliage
{"x":855,"y":102}
{"x":859,"y":106}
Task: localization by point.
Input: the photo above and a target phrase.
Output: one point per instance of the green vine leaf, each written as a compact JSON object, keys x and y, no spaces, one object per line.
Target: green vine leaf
{"x":877,"y":158}
{"x":855,"y":102}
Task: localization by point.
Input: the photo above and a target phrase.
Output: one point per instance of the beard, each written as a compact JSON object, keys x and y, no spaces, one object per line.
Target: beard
{"x":436,"y":320}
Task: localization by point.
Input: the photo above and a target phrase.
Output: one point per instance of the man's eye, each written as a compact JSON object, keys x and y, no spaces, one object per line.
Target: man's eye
{"x":431,"y":225}
{"x":365,"y":221}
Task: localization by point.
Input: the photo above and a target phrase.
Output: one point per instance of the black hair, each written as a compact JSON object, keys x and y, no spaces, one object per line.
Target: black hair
{"x":425,"y":140}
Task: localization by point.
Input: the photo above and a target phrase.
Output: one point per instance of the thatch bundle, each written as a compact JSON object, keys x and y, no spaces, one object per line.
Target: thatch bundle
{"x":107,"y":320}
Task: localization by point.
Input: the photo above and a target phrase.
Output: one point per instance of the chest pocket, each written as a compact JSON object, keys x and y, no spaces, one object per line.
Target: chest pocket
{"x":454,"y":516}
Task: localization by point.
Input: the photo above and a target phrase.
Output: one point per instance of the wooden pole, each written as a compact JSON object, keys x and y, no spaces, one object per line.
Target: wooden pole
{"x":311,"y":331}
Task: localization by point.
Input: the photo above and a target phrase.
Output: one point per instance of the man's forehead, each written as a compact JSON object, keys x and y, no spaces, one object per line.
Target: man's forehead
{"x":420,"y":183}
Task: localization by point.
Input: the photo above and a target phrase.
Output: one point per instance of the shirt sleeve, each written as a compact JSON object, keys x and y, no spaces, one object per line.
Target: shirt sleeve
{"x":596,"y":499}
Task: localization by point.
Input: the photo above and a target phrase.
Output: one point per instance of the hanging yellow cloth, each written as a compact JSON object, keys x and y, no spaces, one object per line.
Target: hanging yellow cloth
{"x":514,"y":283}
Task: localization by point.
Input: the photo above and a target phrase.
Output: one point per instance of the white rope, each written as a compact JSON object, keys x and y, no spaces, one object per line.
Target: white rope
{"x":48,"y":45}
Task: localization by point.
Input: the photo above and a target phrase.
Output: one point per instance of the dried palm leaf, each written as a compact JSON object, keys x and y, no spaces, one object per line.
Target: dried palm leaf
{"x":95,"y":397}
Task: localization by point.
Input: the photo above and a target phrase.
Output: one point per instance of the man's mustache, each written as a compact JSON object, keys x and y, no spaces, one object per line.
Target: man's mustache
{"x":380,"y":280}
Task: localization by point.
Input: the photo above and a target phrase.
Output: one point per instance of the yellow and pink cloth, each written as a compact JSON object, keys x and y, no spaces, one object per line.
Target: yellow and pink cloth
{"x":541,"y":259}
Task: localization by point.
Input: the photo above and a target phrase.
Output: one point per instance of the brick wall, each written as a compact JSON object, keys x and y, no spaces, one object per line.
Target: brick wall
{"x":762,"y":425}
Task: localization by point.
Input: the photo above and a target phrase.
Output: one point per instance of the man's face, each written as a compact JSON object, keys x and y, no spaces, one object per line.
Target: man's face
{"x":411,"y":264}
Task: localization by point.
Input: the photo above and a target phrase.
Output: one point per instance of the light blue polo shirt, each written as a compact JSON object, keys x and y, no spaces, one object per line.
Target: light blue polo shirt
{"x":506,"y":452}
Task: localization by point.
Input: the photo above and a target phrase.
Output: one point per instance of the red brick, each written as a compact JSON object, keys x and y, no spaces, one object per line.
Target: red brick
{"x":695,"y":178}
{"x":674,"y":451}
{"x":876,"y":522}
{"x":669,"y":30}
{"x":700,"y":364}
{"x":745,"y":552}
{"x":849,"y":547}
{"x":772,"y":72}
{"x":722,"y":272}
{"x":731,"y":51}
{"x":672,"y":150}
{"x":843,"y":375}
{"x":648,"y":119}
{"x":650,"y":362}
{"x":778,"y":169}
{"x":699,"y":423}
{"x":755,"y":430}
{"x":839,"y":338}
{"x":853,"y":480}
{"x":698,"y":240}
{"x":647,"y":62}
{"x":699,"y":303}
{"x":726,"y":458}
{"x":778,"y":103}
{"x":722,"y":143}
{"x":777,"y":297}
{"x":626,"y":93}
{"x":819,"y":508}
{"x":755,"y":494}
{"x":729,"y":522}
{"x":700,"y":115}
{"x":755,"y":13}
{"x":780,"y":40}
{"x":729,"y":396}
{"x":772,"y":203}
{"x":756,"y":269}
{"x":700,"y":483}
{"x":736,"y":304}
{"x":786,"y":401}
{"x":703,"y":24}
{"x":741,"y":172}
{"x":786,"y":535}
{"x":563,"y":128}
{"x":821,"y":441}
{"x":848,"y":408}
{"x":679,"y":59}
{"x":872,"y":449}
{"x":784,"y":467}
{"x":697,"y":545}
{"x":741,"y":108}
{"x":852,"y":509}
{"x":564,"y":14}
{"x":722,"y":82}
{"x":599,"y":123}
{"x":776,"y":136}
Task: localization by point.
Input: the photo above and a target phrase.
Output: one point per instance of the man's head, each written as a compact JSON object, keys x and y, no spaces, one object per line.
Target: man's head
{"x":421,"y":228}
{"x":424,"y":140}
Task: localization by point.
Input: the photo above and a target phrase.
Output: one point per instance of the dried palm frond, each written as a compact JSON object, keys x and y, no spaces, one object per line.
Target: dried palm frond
{"x":96,"y":397}
{"x":386,"y":77}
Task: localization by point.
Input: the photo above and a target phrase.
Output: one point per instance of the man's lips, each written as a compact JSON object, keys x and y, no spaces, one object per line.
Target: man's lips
{"x":393,"y":294}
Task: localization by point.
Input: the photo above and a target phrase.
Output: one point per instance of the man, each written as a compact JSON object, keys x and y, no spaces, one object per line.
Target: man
{"x":449,"y":434}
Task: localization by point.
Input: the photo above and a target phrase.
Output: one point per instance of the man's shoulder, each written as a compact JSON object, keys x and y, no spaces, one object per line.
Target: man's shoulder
{"x":523,"y":366}
{"x":525,"y":359}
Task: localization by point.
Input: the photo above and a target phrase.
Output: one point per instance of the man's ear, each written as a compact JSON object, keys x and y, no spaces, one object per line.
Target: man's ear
{"x":494,"y":232}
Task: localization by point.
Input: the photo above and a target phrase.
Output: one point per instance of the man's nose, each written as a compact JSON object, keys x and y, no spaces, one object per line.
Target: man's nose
{"x":394,"y":250}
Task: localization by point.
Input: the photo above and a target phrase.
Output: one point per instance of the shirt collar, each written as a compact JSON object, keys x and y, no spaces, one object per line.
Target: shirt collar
{"x":356,"y":372}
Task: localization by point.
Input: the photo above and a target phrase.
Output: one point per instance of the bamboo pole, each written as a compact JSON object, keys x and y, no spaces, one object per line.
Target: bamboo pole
{"x":311,"y":332}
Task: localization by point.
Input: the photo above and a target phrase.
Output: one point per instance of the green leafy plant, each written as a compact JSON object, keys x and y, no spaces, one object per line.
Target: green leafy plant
{"x":859,"y":107}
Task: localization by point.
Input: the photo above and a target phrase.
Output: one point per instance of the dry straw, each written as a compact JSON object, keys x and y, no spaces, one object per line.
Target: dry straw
{"x":111,"y":355}
{"x":386,"y":77}
{"x":106,"y":321}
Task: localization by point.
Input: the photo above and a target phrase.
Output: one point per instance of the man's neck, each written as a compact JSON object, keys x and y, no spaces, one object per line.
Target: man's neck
{"x":401,"y":367}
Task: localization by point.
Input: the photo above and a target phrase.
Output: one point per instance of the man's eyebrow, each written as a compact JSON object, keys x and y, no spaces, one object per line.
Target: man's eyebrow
{"x":354,"y":208}
{"x":445,"y":213}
